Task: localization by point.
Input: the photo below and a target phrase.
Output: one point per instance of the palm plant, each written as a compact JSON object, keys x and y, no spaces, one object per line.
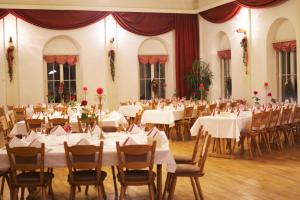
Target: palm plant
{"x":199,"y":79}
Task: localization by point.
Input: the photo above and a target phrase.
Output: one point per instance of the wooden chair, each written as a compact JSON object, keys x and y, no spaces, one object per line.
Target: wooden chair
{"x":109,"y":129}
{"x":4,"y":176}
{"x":28,"y":171}
{"x":4,"y":128}
{"x":132,"y":161}
{"x":222,"y":106}
{"x":39,"y":109}
{"x":295,"y":125}
{"x":190,"y":159}
{"x":2,"y":111}
{"x":12,"y":119}
{"x":271,"y":129}
{"x":200,"y":110}
{"x":185,"y":122}
{"x":89,"y":121}
{"x":188,"y":170}
{"x":212,"y":107}
{"x":58,"y":121}
{"x":283,"y":128}
{"x":34,"y":124}
{"x":85,"y":164}
{"x":20,"y":113}
{"x":10,"y":107}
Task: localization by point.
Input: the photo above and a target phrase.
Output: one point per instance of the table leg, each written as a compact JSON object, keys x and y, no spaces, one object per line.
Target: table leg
{"x":159,"y":181}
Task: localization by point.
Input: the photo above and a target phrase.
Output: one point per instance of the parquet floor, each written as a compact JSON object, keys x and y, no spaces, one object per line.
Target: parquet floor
{"x":275,"y":176}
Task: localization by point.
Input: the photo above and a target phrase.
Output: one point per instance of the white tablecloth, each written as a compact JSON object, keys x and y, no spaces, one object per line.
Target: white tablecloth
{"x":55,"y":157}
{"x":161,"y":117}
{"x":130,"y":110}
{"x":224,"y":126}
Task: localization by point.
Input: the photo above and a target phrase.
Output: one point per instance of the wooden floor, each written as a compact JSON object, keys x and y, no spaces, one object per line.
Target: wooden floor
{"x":275,"y":176}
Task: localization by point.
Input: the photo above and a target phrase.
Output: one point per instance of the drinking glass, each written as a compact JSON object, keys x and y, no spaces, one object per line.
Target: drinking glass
{"x":83,"y":126}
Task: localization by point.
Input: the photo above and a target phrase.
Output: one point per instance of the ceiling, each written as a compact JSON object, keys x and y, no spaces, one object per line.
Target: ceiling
{"x":173,"y":6}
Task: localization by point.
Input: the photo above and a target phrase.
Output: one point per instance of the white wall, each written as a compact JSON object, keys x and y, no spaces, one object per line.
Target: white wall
{"x":257,"y":22}
{"x":93,"y":65}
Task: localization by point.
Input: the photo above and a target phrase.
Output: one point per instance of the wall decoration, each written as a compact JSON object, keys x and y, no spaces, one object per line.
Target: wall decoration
{"x":244,"y":45}
{"x":10,"y":58}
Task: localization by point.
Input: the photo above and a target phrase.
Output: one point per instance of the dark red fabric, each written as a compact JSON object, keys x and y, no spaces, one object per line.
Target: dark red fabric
{"x":258,"y":3}
{"x":59,"y":19}
{"x":152,"y":59}
{"x":61,"y":59}
{"x":225,"y":54}
{"x":3,"y":13}
{"x":147,"y":24}
{"x":221,"y":13}
{"x":186,"y":48}
{"x":287,"y":46}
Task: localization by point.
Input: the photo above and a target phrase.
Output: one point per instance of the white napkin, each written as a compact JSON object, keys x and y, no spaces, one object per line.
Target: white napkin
{"x":32,"y":136}
{"x":129,"y":141}
{"x":16,"y":142}
{"x":160,"y":138}
{"x":58,"y":131}
{"x":83,"y":141}
{"x":36,"y":143}
{"x":153,"y":132}
{"x":96,"y":129}
{"x":115,"y":114}
{"x":135,"y":129}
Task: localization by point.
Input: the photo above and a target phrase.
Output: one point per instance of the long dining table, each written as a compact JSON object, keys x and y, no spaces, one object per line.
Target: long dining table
{"x":55,"y":154}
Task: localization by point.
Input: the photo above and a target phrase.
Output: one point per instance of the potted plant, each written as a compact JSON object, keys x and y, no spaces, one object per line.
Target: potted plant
{"x":199,"y":79}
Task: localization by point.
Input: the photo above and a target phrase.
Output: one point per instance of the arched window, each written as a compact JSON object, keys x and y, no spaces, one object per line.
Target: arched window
{"x":152,"y":66}
{"x":61,"y":58}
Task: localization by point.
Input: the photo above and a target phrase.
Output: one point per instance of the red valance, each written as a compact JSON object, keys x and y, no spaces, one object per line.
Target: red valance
{"x":221,"y":13}
{"x":59,"y":19}
{"x":3,"y":13}
{"x":61,"y":59}
{"x":285,"y":46}
{"x":147,"y":24}
{"x":152,"y":59}
{"x":225,"y":54}
{"x":259,"y":3}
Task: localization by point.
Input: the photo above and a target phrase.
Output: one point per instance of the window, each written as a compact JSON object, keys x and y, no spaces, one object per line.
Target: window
{"x":61,"y":81}
{"x":152,"y":81}
{"x":226,"y":81}
{"x":288,"y":75}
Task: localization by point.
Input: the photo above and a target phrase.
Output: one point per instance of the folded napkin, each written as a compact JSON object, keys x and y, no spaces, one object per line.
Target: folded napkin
{"x":160,"y":138}
{"x":83,"y":141}
{"x":96,"y":129}
{"x":114,"y":114}
{"x":135,"y":129}
{"x":36,"y":143}
{"x":16,"y":142}
{"x":129,"y":141}
{"x":32,"y":136}
{"x":153,"y":132}
{"x":58,"y":131}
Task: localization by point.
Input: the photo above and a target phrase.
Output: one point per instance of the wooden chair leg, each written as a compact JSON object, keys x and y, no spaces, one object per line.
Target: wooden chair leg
{"x":22,"y":193}
{"x":44,"y":193}
{"x":151,"y":192}
{"x":250,"y":147}
{"x":86,"y":190}
{"x":167,"y":184}
{"x":122,"y":193}
{"x":172,"y":189}
{"x":15,"y":194}
{"x":2,"y":187}
{"x":99,"y":191}
{"x":103,"y":191}
{"x":257,"y":145}
{"x":72,"y":192}
{"x":115,"y":181}
{"x":194,"y":188}
{"x":199,"y":188}
{"x":51,"y":190}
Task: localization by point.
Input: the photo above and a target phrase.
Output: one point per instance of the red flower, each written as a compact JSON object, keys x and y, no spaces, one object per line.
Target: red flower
{"x":269,"y":94}
{"x":207,"y":89}
{"x":85,"y":88}
{"x":255,"y":92}
{"x":201,"y":85}
{"x":266,"y":84}
{"x":73,"y":97}
{"x":99,"y":91}
{"x":83,"y":103}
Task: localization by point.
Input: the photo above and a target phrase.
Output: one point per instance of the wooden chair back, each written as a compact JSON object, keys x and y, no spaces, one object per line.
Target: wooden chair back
{"x":39,"y":109}
{"x":34,"y":124}
{"x":10,"y":107}
{"x":20,"y":113}
{"x":286,"y":116}
{"x":274,"y":118}
{"x":200,"y":109}
{"x":258,"y":121}
{"x":233,"y":104}
{"x":4,"y":128}
{"x":196,"y":147}
{"x":296,"y":118}
{"x":222,"y":106}
{"x":204,"y":151}
{"x":12,"y":118}
{"x":135,"y":157}
{"x":90,"y":121}
{"x":2,"y":111}
{"x":212,"y":107}
{"x":58,"y":121}
{"x":26,"y":159}
{"x":109,"y":129}
{"x":188,"y":112}
{"x":84,"y":157}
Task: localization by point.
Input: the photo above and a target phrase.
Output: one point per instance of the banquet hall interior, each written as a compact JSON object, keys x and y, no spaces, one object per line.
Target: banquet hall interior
{"x":140,"y":99}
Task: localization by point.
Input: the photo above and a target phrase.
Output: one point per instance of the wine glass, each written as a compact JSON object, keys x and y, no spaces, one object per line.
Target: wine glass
{"x":83,"y":126}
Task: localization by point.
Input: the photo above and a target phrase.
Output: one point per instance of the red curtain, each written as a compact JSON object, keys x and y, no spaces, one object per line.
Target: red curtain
{"x":221,"y":13}
{"x":259,"y":3}
{"x":147,"y":24}
{"x":186,"y":48}
{"x":61,"y":59}
{"x":152,"y":59}
{"x":3,"y":13}
{"x":285,"y":46}
{"x":59,"y":19}
{"x":225,"y":54}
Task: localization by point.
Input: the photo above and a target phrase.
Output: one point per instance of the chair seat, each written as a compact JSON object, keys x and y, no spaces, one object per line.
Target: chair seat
{"x":181,"y":159}
{"x":188,"y":170}
{"x":34,"y":178}
{"x":3,"y":172}
{"x":136,"y":176}
{"x":87,"y":176}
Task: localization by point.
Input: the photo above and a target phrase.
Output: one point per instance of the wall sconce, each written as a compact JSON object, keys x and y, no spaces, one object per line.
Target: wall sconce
{"x":240,"y":30}
{"x":10,"y":58}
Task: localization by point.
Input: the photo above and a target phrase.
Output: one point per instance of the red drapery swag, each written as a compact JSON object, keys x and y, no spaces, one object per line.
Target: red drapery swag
{"x":186,"y":48}
{"x":3,"y":13}
{"x":221,"y":13}
{"x":147,"y":24}
{"x":225,"y":54}
{"x":59,"y":19}
{"x":152,"y":59}
{"x":61,"y":59}
{"x":259,"y":3}
{"x":287,"y":46}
